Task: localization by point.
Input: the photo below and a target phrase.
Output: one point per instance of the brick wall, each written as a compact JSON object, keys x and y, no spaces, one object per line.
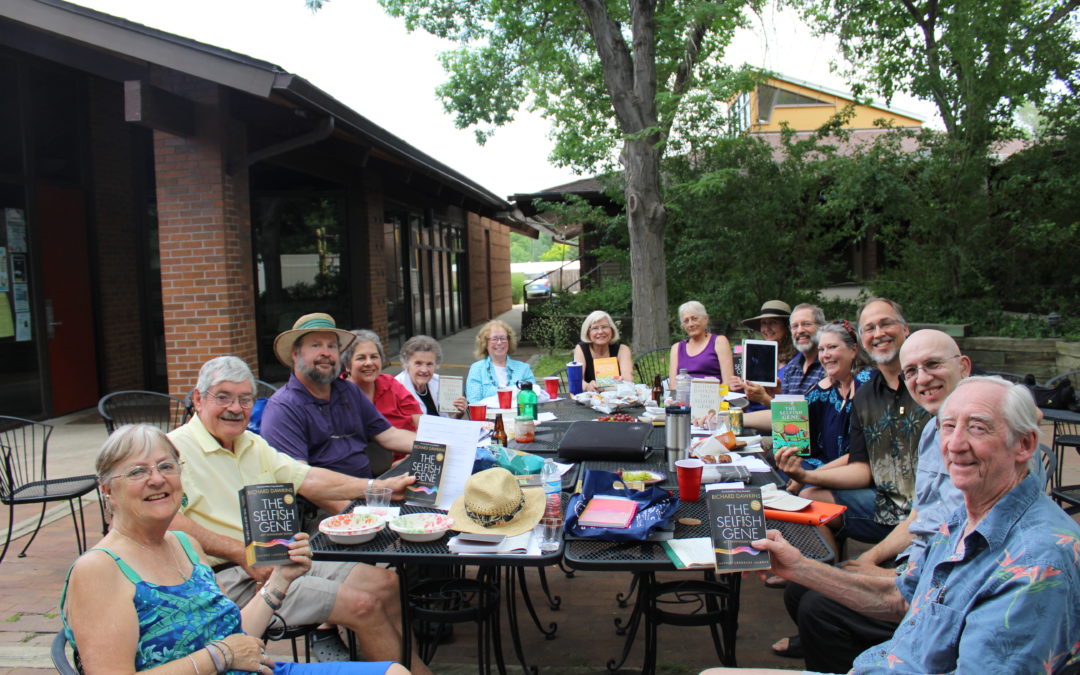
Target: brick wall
{"x":371,"y":273}
{"x":205,"y":238}
{"x":489,"y":289}
{"x":115,"y":222}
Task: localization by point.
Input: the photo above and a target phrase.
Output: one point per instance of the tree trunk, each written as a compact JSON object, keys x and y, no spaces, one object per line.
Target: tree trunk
{"x":646,"y":217}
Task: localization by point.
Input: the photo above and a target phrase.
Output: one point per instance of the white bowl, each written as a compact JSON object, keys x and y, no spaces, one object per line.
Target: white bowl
{"x":352,"y":528}
{"x":419,"y":527}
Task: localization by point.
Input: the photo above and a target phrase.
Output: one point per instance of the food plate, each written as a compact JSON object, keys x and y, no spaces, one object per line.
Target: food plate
{"x":421,"y":527}
{"x":352,"y":528}
{"x":646,"y":477}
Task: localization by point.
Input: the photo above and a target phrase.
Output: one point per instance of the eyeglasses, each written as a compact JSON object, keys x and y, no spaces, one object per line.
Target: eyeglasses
{"x":803,"y":324}
{"x":597,"y":329}
{"x":931,"y":366}
{"x":496,"y":340}
{"x":142,"y":472}
{"x":225,"y":400}
{"x":884,"y":324}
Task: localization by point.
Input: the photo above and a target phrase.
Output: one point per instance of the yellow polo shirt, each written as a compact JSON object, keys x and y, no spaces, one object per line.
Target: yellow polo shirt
{"x":213,"y":476}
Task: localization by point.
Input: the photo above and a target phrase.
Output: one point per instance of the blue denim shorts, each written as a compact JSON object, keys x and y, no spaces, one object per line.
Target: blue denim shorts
{"x":859,"y":520}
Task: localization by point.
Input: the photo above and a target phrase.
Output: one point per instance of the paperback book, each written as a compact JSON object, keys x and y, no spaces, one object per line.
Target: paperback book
{"x":271,"y":519}
{"x":451,"y":388}
{"x":791,"y":424}
{"x":605,"y":511}
{"x":736,"y":518}
{"x":426,"y":463}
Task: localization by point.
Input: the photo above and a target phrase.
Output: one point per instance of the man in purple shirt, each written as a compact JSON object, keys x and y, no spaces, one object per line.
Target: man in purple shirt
{"x":318,"y":418}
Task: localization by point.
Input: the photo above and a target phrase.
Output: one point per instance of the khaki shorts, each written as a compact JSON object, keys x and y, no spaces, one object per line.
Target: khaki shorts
{"x":309,"y":600}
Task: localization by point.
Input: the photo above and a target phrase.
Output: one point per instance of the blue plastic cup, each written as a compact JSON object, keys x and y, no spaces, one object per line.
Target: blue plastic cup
{"x":574,"y":373}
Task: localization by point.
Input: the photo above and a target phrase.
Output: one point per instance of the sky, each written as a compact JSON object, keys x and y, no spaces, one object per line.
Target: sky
{"x":367,"y":60}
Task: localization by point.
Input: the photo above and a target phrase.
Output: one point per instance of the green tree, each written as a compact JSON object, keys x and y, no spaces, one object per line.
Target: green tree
{"x":628,"y":76}
{"x":558,"y":251}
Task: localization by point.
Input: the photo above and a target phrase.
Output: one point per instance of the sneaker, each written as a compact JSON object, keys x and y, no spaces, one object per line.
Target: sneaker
{"x":327,"y":646}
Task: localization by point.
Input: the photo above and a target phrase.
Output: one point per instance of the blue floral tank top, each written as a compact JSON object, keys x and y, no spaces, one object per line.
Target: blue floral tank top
{"x":174,"y":621}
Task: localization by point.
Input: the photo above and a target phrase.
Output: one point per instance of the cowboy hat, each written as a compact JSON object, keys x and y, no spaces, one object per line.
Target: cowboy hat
{"x":772,"y":309}
{"x":309,"y":323}
{"x":494,"y":503}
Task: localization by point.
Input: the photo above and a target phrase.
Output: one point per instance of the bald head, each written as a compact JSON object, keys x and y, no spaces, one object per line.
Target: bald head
{"x":932,"y":366}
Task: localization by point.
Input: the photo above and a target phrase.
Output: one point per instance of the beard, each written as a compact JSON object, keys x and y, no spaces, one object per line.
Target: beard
{"x":804,"y":347}
{"x":886,"y":358}
{"x":311,"y":371}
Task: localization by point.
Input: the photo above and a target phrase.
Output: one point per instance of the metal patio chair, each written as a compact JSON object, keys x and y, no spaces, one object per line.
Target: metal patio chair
{"x":24,"y":447}
{"x":650,"y":364}
{"x":141,"y":407}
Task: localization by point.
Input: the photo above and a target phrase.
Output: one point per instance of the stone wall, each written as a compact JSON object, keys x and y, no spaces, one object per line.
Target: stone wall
{"x":1043,"y":358}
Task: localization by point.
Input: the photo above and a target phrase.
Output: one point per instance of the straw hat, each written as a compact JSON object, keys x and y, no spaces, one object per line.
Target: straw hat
{"x":494,"y":503}
{"x":773,"y":309}
{"x":309,"y":323}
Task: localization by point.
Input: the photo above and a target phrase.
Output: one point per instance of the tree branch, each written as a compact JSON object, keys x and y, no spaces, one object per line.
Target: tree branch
{"x":1058,"y":14}
{"x":616,"y":63}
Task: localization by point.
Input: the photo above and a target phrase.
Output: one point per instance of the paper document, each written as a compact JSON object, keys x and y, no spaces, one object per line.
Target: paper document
{"x":451,"y":388}
{"x":775,"y":498}
{"x":460,"y":438}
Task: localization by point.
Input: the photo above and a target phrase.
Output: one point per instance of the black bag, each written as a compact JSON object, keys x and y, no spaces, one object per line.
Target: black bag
{"x":1061,"y":396}
{"x":614,"y":441}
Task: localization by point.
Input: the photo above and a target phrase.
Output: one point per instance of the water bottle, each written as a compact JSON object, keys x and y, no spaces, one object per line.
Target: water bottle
{"x":552,"y":489}
{"x":526,"y":400}
{"x":682,"y":387}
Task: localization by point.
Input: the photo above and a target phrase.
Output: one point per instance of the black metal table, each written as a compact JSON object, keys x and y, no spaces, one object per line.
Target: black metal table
{"x":1066,"y":435}
{"x":712,"y":600}
{"x":500,"y":576}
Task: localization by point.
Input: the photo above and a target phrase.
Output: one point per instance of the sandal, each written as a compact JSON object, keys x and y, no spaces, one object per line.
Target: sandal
{"x":792,"y":650}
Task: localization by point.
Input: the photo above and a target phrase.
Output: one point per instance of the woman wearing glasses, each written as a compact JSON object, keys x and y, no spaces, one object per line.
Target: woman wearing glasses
{"x":145,"y":597}
{"x":495,"y":369}
{"x":600,"y":340}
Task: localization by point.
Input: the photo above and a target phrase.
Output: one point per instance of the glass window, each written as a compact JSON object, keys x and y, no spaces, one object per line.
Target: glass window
{"x":20,"y":379}
{"x":10,"y":128}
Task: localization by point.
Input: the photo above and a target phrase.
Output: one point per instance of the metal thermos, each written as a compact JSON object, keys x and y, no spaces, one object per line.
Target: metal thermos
{"x":677,"y":428}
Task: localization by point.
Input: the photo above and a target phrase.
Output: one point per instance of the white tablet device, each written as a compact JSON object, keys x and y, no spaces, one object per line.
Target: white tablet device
{"x":759,"y":362}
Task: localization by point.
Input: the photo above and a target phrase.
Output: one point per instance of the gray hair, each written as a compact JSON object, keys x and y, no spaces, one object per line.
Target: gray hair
{"x":847,"y":336}
{"x":224,"y":369}
{"x":897,"y":309}
{"x":692,"y":307}
{"x":362,"y":335}
{"x":130,"y":440}
{"x":816,"y":313}
{"x":593,"y":318}
{"x":420,"y":343}
{"x":1018,"y":407}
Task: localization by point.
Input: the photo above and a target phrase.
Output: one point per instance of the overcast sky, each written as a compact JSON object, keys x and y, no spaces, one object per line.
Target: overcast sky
{"x":367,"y":60}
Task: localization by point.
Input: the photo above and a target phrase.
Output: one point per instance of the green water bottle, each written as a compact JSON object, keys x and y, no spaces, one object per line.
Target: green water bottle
{"x":526,"y":400}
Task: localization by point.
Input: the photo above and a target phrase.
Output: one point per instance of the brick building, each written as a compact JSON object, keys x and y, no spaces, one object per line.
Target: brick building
{"x":165,"y":201}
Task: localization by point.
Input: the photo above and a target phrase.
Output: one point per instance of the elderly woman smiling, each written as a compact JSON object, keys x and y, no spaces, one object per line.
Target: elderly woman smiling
{"x":494,"y":369}
{"x":600,"y":340}
{"x":420,"y":359}
{"x":364,"y":360}
{"x":702,"y":353}
{"x":145,"y":597}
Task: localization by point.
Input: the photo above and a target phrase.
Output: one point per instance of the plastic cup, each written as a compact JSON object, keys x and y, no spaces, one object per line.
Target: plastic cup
{"x":551,"y":533}
{"x":378,"y":497}
{"x":689,"y":471}
{"x":574,"y":373}
{"x":551,"y":386}
{"x":477,"y":412}
{"x":506,"y":397}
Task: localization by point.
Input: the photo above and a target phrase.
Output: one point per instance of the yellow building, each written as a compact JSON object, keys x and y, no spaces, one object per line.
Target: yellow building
{"x":805,"y":106}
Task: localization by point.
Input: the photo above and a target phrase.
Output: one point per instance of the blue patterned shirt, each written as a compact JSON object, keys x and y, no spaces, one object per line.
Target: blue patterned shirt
{"x":1009,"y":603}
{"x":830,"y":418}
{"x":794,"y":381}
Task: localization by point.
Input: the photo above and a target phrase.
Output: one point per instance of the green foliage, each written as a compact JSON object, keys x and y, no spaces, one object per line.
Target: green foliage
{"x":613,"y":297}
{"x":557,"y":252}
{"x":527,"y":249}
{"x":549,"y":364}
{"x":550,"y":332}
{"x":517,"y":287}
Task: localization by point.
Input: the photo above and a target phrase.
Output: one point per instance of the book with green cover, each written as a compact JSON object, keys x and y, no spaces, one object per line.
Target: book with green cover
{"x":736,"y":518}
{"x":791,"y":424}
{"x":270,"y":517}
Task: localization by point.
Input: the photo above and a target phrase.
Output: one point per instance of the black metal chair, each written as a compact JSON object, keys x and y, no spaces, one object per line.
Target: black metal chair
{"x":24,"y":446}
{"x":1011,"y":377}
{"x":141,"y":407}
{"x":1072,"y":376}
{"x":1068,"y":496}
{"x":58,"y":652}
{"x":650,"y":364}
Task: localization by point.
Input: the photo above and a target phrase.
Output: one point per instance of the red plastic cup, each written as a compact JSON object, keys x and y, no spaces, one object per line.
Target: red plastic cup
{"x":477,"y":412}
{"x":551,"y":386}
{"x":689,"y":471}
{"x":506,"y":397}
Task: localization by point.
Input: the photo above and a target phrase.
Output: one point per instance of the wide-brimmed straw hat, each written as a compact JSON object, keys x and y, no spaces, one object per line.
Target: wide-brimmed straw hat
{"x":309,"y":323}
{"x":494,"y":503}
{"x":773,"y":309}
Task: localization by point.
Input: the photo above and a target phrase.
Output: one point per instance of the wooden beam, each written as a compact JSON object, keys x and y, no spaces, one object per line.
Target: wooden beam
{"x":155,"y":108}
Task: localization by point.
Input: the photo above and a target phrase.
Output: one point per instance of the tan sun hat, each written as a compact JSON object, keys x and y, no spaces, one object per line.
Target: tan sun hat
{"x":494,"y":503}
{"x":309,"y":323}
{"x":772,"y":309}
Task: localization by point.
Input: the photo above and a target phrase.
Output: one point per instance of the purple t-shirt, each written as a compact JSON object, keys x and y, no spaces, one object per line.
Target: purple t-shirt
{"x":331,"y":434}
{"x":703,"y":364}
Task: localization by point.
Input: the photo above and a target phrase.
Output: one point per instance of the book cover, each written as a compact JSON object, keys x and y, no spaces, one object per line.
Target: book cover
{"x":426,"y":463}
{"x":704,"y":397}
{"x":613,"y":512}
{"x":736,"y":518}
{"x":451,"y":388}
{"x":688,"y":554}
{"x":271,"y":518}
{"x":791,"y":424}
{"x":606,"y":367}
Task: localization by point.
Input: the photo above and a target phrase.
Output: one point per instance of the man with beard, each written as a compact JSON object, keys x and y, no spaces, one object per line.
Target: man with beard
{"x":876,"y":480}
{"x":318,"y":418}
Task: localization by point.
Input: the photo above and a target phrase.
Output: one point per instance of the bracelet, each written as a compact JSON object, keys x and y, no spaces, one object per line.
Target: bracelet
{"x":217,"y":659}
{"x":229,"y":658}
{"x":269,"y":602}
{"x":194,"y":664}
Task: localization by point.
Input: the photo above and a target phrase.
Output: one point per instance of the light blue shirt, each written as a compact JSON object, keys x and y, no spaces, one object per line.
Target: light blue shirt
{"x":1009,"y":603}
{"x":482,"y":382}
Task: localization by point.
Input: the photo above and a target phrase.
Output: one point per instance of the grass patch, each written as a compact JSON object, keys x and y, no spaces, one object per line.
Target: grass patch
{"x":28,"y":637}
{"x":13,"y":618}
{"x":550,"y":363}
{"x":51,"y":615}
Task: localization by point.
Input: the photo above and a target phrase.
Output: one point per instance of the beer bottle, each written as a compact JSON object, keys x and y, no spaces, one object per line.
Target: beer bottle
{"x":498,"y":437}
{"x":658,"y":391}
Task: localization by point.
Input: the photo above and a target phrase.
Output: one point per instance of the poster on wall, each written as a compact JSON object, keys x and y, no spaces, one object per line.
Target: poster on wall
{"x":18,"y":268}
{"x":7,"y":327}
{"x":22,"y":327}
{"x":21,"y":296}
{"x":15,"y":223}
{"x":3,"y":269}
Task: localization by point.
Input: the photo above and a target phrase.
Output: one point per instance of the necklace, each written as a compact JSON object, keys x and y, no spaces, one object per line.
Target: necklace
{"x":176,"y":563}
